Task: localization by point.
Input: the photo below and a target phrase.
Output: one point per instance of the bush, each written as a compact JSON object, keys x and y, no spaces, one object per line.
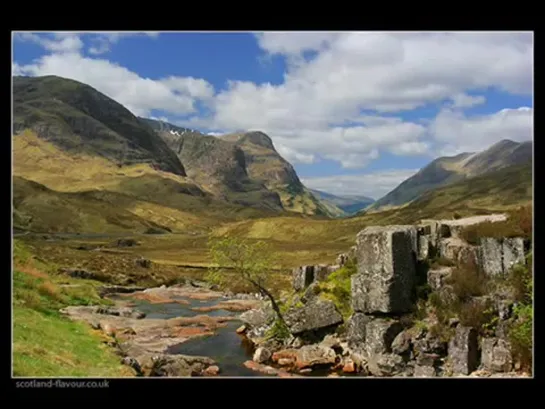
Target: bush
{"x":520,"y":336}
{"x":468,"y":281}
{"x":337,"y":288}
{"x":439,"y":262}
{"x":457,"y":216}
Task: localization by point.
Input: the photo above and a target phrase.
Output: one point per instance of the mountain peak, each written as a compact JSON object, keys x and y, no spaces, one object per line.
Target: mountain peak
{"x":250,"y":137}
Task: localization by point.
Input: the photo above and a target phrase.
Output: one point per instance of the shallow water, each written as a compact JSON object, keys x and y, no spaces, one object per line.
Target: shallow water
{"x":226,"y":347}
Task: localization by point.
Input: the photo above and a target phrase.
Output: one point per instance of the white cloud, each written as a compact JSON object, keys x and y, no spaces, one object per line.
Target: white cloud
{"x":467,"y":101}
{"x":60,"y":43}
{"x":102,"y":42}
{"x":374,"y":184}
{"x":318,"y":110}
{"x":459,"y":134}
{"x":139,"y":95}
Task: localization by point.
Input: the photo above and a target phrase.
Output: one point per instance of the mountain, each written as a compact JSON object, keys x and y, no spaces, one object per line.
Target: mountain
{"x":265,"y":165}
{"x":347,"y":204}
{"x":78,"y":118}
{"x":216,"y":165}
{"x":446,"y":170}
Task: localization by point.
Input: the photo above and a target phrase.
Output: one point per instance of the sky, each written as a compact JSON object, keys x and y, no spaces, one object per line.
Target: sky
{"x":355,"y":113}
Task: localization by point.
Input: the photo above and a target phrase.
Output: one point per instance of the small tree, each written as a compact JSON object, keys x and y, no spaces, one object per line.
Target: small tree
{"x":238,"y":260}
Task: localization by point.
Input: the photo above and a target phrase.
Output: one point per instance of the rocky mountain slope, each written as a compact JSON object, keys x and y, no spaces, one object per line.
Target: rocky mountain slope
{"x":446,"y":170}
{"x":78,"y":118}
{"x":266,"y":165}
{"x":216,"y":165}
{"x":347,"y":204}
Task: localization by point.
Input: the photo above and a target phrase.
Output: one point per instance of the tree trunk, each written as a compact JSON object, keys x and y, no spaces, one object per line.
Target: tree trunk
{"x":274,"y":305}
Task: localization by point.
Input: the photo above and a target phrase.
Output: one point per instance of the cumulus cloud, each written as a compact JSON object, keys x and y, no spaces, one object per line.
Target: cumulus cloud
{"x":102,"y":42}
{"x":458,"y":133}
{"x":337,"y":105}
{"x":56,"y":42}
{"x":375,"y":184}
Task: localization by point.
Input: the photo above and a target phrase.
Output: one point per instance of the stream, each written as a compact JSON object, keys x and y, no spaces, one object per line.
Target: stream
{"x":226,"y":347}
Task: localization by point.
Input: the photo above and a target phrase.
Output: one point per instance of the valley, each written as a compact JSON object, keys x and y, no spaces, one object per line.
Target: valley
{"x":103,"y":198}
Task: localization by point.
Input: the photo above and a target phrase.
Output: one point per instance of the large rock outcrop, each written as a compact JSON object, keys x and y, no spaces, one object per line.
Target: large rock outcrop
{"x":386,"y":270}
{"x":498,"y":256}
{"x":315,"y":315}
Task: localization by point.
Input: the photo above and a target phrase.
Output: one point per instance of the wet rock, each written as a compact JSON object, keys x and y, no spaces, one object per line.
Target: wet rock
{"x":386,"y":270}
{"x":496,"y":355}
{"x":385,"y":365}
{"x":380,"y":334}
{"x":242,"y":329}
{"x":315,"y":315}
{"x":213,"y":370}
{"x":303,"y":276}
{"x":262,"y":355}
{"x":357,"y":330}
{"x":437,"y":278}
{"x":120,"y":312}
{"x":463,"y":350}
{"x":424,"y":371}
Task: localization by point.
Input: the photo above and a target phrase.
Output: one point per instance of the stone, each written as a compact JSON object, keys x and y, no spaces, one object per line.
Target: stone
{"x":258,"y":317}
{"x":133,"y":363}
{"x":513,"y":253}
{"x":310,"y":356}
{"x":430,"y":344}
{"x":424,"y":371}
{"x":385,"y":365}
{"x":349,"y":366}
{"x":457,"y":250}
{"x":262,"y":355}
{"x":211,"y":371}
{"x":315,"y":315}
{"x":437,"y":278}
{"x":143,"y":262}
{"x":310,"y":293}
{"x":176,"y":365}
{"x":498,"y":256}
{"x":341,"y":259}
{"x":242,"y":329}
{"x":331,"y":341}
{"x":423,"y":247}
{"x":463,"y":350}
{"x":380,"y":334}
{"x":302,"y":277}
{"x":428,"y":359}
{"x":356,"y":330}
{"x":79,"y":273}
{"x":496,"y":355}
{"x":126,"y":243}
{"x":402,"y":343}
{"x":120,"y":312}
{"x":386,"y":270}
{"x":321,"y":272}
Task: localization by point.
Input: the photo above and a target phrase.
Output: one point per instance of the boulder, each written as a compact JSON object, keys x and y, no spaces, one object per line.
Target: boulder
{"x":321,"y":272}
{"x":258,"y":317}
{"x":356,"y":330}
{"x":175,"y":365}
{"x":125,"y":312}
{"x":386,"y":270}
{"x":315,"y":315}
{"x":424,"y":371}
{"x":457,"y":250}
{"x":143,"y":262}
{"x":402,"y":343}
{"x":496,"y":355}
{"x":385,"y":365}
{"x":463,"y":350}
{"x":498,"y":256}
{"x":310,"y":293}
{"x":302,"y":277}
{"x":309,"y":356}
{"x":262,"y":355}
{"x":380,"y":334}
{"x":423,"y":247}
{"x":437,"y":278}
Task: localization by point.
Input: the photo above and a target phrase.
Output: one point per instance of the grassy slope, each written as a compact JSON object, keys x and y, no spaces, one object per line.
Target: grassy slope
{"x":96,"y":192}
{"x":46,"y":343}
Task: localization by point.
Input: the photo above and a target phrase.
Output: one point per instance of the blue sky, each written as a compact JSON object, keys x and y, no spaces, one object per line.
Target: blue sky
{"x":355,"y":113}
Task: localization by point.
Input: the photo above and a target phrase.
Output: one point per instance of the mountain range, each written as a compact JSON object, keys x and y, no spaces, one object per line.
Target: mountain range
{"x":80,"y":154}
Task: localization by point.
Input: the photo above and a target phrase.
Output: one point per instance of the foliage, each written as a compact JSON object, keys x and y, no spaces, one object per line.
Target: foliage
{"x":467,"y":281}
{"x":438,"y":262}
{"x":518,"y":224}
{"x":337,"y":288}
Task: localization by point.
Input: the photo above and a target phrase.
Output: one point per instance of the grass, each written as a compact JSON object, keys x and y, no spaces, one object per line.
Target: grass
{"x":337,"y":288}
{"x":44,"y":342}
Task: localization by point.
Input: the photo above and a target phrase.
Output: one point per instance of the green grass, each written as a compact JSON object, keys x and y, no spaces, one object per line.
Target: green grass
{"x":45,"y":343}
{"x":337,"y":288}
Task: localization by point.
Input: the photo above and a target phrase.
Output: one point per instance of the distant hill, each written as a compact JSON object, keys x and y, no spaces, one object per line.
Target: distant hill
{"x":446,"y":170}
{"x":347,"y":204}
{"x":266,"y":165}
{"x":78,"y":118}
{"x":217,"y":166}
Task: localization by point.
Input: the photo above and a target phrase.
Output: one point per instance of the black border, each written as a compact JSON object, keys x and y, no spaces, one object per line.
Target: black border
{"x":242,"y":391}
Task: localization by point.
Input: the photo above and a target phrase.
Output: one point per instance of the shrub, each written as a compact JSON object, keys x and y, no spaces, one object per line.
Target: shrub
{"x":477,"y":314}
{"x":456,"y":216}
{"x":467,"y":281}
{"x":439,"y":262}
{"x":520,"y":336}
